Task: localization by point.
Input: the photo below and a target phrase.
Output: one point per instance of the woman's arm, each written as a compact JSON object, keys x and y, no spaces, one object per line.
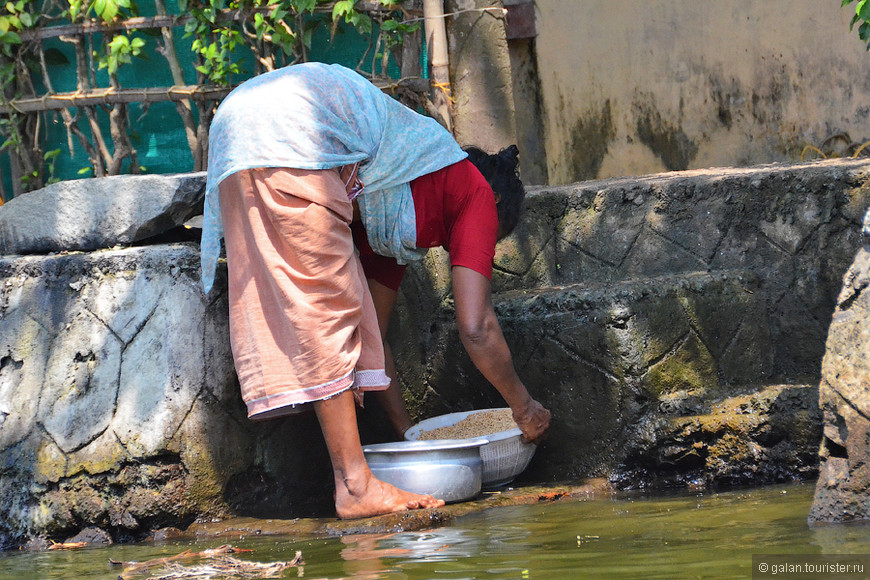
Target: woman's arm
{"x":482,"y":338}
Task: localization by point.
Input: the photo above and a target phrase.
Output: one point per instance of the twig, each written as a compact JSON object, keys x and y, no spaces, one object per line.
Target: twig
{"x":183,"y":107}
{"x":132,"y":569}
{"x":228,"y":567}
{"x":111,"y":96}
{"x":494,"y":9}
{"x":67,"y":545}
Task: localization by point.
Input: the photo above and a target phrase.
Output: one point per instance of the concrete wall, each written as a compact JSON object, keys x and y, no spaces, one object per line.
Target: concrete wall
{"x":633,"y":87}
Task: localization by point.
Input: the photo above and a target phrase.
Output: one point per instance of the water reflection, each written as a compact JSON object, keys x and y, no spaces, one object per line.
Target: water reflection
{"x":682,"y":536}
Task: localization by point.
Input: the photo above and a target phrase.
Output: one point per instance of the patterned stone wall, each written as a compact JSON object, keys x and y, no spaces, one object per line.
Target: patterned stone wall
{"x":674,"y":323}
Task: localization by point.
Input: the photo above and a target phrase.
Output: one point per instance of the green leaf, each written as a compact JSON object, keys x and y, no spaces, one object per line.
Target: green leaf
{"x":304,"y":5}
{"x":119,"y":43}
{"x":343,"y":7}
{"x":11,"y":38}
{"x":110,"y":11}
{"x":85,"y":170}
{"x":364,"y":24}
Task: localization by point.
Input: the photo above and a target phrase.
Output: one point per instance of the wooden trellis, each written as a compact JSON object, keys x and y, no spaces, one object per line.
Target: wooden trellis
{"x":22,"y":114}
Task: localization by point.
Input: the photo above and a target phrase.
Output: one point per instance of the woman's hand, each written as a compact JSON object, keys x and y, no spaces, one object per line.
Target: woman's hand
{"x":484,"y":342}
{"x":533,"y":420}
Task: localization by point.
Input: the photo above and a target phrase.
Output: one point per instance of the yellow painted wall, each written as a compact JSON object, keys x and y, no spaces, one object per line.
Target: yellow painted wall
{"x":633,"y":87}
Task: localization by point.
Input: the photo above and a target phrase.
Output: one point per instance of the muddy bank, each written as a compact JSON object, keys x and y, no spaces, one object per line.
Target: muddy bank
{"x":234,"y":528}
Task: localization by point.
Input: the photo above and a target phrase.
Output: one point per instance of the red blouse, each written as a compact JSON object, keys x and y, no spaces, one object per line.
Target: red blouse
{"x":455,"y":208}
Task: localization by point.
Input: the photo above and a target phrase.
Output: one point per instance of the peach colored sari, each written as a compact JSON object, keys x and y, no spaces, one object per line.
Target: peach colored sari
{"x":302,"y":324}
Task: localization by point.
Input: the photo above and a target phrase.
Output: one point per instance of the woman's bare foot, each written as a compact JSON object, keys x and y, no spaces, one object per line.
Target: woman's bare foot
{"x":358,"y":493}
{"x":374,"y":497}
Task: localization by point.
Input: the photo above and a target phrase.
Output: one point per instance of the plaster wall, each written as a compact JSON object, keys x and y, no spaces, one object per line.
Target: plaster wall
{"x":631,"y":87}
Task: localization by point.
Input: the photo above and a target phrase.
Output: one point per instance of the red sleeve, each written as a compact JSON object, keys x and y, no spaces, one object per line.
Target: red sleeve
{"x":474,"y":233}
{"x":384,"y":270}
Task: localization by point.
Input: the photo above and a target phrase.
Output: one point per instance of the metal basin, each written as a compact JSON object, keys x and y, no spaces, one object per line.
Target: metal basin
{"x":448,"y":469}
{"x":504,"y":456}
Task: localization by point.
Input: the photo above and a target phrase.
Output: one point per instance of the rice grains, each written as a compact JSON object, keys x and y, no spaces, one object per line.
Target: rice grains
{"x":475,"y":425}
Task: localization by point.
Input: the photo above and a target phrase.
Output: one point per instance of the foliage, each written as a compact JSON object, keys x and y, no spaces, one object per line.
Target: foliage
{"x":278,"y":32}
{"x":862,"y":15}
{"x":222,"y":33}
{"x":13,"y":18}
{"x":33,"y":166}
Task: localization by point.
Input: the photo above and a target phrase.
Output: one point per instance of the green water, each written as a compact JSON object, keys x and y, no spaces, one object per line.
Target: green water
{"x":706,"y":535}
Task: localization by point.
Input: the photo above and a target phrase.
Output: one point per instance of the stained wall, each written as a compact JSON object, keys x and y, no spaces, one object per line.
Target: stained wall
{"x":631,"y":87}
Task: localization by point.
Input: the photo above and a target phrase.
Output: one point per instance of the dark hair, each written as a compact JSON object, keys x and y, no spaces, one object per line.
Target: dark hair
{"x":501,"y":172}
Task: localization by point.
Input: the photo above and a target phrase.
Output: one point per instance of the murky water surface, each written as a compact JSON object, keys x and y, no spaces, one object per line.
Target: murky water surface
{"x":708,"y":535}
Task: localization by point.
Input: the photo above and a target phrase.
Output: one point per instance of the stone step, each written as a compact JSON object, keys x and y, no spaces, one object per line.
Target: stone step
{"x":601,"y":356}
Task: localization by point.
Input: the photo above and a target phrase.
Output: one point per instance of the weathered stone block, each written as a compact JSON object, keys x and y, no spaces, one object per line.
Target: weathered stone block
{"x":102,"y":360}
{"x":790,"y":225}
{"x":843,"y":487}
{"x":757,"y":437}
{"x":90,"y":214}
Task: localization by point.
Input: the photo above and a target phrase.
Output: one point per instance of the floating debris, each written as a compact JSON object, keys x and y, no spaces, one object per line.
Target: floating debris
{"x":67,"y":545}
{"x":223,"y":566}
{"x":227,"y":567}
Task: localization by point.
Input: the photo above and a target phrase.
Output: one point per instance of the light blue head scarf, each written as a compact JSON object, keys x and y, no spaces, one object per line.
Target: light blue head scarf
{"x":319,"y":116}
